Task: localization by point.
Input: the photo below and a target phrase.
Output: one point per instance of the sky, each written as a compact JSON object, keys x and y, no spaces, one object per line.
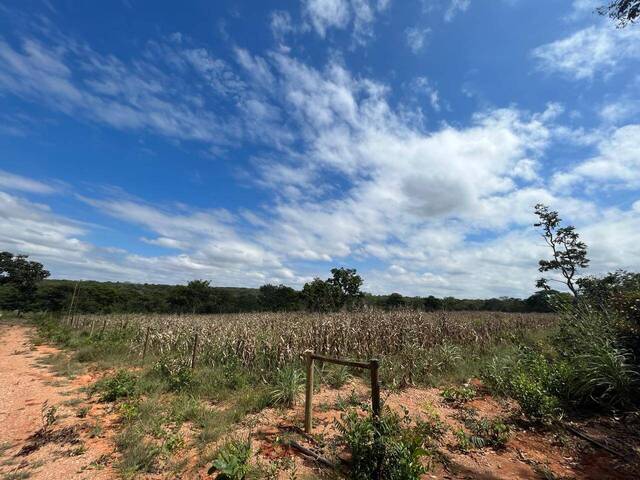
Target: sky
{"x":248,"y":142}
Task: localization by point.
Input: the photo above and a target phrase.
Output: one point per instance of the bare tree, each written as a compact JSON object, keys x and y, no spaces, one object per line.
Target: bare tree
{"x":569,"y":254}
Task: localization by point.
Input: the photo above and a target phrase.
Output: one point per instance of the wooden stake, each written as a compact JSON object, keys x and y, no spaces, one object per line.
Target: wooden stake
{"x":146,"y":342}
{"x":374,"y":365}
{"x":73,"y":298}
{"x":193,"y":355}
{"x":308,"y":406}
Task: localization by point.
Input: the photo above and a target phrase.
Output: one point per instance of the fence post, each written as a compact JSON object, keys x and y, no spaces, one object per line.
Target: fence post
{"x":374,"y":365}
{"x":146,"y":343}
{"x":193,"y":355}
{"x":308,"y":406}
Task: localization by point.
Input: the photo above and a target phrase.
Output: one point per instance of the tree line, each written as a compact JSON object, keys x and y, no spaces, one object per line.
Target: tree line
{"x":24,"y":286}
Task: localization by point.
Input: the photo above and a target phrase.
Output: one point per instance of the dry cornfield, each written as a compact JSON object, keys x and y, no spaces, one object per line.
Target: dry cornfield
{"x":269,"y":341}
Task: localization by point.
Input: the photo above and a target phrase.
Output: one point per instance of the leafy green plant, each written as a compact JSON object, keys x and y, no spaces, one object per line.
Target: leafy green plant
{"x":529,"y":378}
{"x":387,"y":442}
{"x":176,"y":371}
{"x":288,"y":387}
{"x":232,"y":460}
{"x":489,"y":432}
{"x":121,"y":385}
{"x":459,"y":395}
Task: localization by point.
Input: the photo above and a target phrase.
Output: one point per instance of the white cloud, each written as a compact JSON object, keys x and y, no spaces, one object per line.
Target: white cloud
{"x":416,"y":37}
{"x":617,"y":163}
{"x":325,"y":14}
{"x":142,"y":95}
{"x":9,"y":181}
{"x":455,"y":7}
{"x":341,"y":14}
{"x":350,"y":174}
{"x":595,"y":50}
{"x":422,"y":85}
{"x":620,"y":111}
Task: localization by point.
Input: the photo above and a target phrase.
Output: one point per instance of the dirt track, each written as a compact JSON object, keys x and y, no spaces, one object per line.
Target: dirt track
{"x":25,"y":386}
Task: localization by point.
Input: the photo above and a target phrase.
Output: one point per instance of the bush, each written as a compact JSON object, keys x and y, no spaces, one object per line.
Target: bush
{"x":490,"y":432}
{"x":459,"y":395}
{"x":529,"y":378}
{"x":121,"y":385}
{"x":177,"y":372}
{"x":389,"y":443}
{"x":232,"y":460}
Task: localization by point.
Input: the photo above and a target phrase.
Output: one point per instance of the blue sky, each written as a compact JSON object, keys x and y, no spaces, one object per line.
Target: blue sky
{"x":256,"y":142}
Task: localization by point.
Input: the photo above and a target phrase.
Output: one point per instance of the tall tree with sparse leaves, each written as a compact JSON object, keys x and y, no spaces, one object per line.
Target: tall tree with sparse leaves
{"x":569,"y":254}
{"x":622,"y":11}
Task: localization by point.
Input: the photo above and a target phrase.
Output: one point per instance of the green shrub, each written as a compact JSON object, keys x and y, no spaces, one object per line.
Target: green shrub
{"x":529,"y":378}
{"x":490,"y":432}
{"x":232,"y":460}
{"x":389,"y":443}
{"x":121,"y":385}
{"x":176,"y":371}
{"x":459,"y":395}
{"x":287,"y":388}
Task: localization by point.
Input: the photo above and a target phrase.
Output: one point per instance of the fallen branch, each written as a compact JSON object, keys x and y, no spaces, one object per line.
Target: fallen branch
{"x":595,"y":442}
{"x":312,"y":454}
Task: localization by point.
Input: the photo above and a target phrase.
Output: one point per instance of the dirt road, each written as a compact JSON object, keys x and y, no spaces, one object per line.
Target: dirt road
{"x":73,"y":445}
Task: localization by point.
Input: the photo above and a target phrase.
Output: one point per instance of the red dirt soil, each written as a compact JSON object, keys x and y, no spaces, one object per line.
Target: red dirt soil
{"x":25,"y":386}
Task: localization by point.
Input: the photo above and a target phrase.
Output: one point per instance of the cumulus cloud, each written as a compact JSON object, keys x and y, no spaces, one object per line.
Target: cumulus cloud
{"x":616,"y":164}
{"x":347,"y":172}
{"x":595,"y":50}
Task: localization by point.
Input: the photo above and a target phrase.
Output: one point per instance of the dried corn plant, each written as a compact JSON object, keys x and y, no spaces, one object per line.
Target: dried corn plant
{"x":268,"y":341}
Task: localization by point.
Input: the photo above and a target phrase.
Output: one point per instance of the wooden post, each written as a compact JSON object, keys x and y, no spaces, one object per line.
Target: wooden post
{"x":73,"y":299}
{"x":146,"y":343}
{"x":308,"y":406}
{"x":195,"y":348}
{"x":374,"y":365}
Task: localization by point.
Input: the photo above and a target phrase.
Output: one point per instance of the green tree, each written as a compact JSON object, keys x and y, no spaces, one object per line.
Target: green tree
{"x":346,"y":285}
{"x":569,"y":254}
{"x":395,"y":300}
{"x":319,"y":296}
{"x":279,"y":298}
{"x":431,"y":303}
{"x":622,"y":11}
{"x":21,"y":276}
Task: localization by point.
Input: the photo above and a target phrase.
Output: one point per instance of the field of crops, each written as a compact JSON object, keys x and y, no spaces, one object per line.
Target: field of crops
{"x":409,"y":341}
